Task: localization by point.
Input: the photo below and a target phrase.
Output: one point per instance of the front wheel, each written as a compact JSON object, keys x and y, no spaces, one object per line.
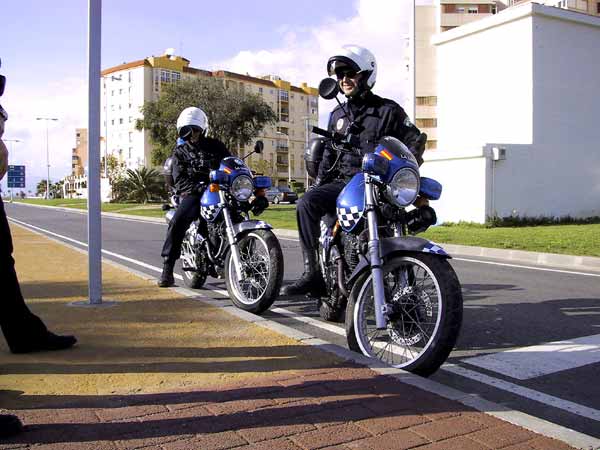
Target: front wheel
{"x":424,"y":302}
{"x":262,"y":267}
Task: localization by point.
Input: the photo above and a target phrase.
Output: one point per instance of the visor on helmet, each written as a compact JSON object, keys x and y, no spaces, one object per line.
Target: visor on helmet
{"x":342,"y":65}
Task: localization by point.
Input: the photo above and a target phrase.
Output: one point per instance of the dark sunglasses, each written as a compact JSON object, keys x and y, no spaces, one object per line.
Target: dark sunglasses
{"x":345,"y":72}
{"x":2,"y":84}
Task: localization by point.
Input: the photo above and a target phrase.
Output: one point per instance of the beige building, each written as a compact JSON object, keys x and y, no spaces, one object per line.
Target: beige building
{"x":431,"y":20}
{"x":79,"y":159}
{"x":126,"y":87}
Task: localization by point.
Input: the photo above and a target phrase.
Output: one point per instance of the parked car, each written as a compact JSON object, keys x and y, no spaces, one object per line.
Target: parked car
{"x":281,"y":194}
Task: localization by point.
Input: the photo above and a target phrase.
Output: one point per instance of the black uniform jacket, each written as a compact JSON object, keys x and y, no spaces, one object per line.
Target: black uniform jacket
{"x":193,"y":162}
{"x":374,"y":117}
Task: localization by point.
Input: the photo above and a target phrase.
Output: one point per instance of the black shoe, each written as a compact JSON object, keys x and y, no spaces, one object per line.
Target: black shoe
{"x":311,"y":282}
{"x":48,"y":342}
{"x":166,"y":277}
{"x":9,"y":425}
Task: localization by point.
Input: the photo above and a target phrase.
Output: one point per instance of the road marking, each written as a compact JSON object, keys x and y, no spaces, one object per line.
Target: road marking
{"x":521,"y":391}
{"x":539,"y":360}
{"x":517,"y":266}
{"x":106,"y":252}
{"x":540,"y":397}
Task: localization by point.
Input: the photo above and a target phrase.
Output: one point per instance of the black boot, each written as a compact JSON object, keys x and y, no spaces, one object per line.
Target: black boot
{"x":166,"y":277}
{"x":311,"y":282}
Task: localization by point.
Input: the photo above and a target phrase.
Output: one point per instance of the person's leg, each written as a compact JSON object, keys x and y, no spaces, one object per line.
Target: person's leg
{"x":24,"y":331}
{"x":187,"y":211}
{"x":312,"y":206}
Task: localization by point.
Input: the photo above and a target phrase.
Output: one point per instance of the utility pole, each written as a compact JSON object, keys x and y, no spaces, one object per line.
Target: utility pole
{"x":46,"y":119}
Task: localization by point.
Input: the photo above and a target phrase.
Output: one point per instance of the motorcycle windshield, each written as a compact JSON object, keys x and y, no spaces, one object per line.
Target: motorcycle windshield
{"x":209,"y":205}
{"x":351,"y":203}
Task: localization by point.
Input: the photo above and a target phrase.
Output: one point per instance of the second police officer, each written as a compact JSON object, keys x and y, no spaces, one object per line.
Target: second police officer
{"x":193,"y":159}
{"x":372,"y":117}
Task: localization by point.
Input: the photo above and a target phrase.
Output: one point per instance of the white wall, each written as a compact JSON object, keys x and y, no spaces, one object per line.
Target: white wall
{"x":533,"y":75}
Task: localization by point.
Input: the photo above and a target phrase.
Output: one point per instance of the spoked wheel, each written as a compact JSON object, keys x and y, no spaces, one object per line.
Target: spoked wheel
{"x":192,"y":278}
{"x":262,"y":267}
{"x":424,"y":302}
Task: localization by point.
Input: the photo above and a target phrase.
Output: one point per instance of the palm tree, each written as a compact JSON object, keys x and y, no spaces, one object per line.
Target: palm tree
{"x":142,"y":184}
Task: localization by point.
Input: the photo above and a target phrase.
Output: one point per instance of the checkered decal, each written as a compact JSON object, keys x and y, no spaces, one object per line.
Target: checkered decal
{"x":210,"y":212}
{"x":432,"y":247}
{"x":349,"y":217}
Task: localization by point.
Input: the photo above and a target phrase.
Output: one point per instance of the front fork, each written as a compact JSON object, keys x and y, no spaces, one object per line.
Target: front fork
{"x":233,"y":244}
{"x":376,"y":261}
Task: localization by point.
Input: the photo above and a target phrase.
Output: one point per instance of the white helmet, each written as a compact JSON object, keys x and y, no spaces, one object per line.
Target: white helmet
{"x":355,"y":58}
{"x":189,"y":119}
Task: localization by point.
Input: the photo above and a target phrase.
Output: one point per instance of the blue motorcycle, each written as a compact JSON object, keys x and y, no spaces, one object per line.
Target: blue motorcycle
{"x":402,"y":299}
{"x":227,"y":244}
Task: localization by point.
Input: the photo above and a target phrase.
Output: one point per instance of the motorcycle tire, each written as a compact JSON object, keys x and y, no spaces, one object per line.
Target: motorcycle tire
{"x":261,"y":251}
{"x":408,"y":303}
{"x":194,"y":280}
{"x":330,"y":313}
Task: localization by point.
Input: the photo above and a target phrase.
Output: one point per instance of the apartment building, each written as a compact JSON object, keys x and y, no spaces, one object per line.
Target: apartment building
{"x":442,"y":16}
{"x":79,"y":159}
{"x":126,"y":87}
{"x":591,"y":7}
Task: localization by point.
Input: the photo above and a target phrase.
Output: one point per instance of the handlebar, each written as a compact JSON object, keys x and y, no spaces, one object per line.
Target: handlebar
{"x":348,"y":143}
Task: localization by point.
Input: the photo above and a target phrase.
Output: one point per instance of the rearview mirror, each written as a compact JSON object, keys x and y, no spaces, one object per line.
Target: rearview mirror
{"x":328,"y":88}
{"x":258,"y":147}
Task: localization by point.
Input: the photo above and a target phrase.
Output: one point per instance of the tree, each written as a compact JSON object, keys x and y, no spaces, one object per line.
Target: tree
{"x":40,"y":188}
{"x":142,"y":184}
{"x":235,"y":116}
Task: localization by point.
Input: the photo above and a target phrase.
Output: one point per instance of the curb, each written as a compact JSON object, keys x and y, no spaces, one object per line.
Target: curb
{"x":537,"y":425}
{"x":583,"y":263}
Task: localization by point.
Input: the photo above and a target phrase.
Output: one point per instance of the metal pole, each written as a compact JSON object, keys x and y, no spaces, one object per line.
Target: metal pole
{"x":105,"y":124}
{"x":94,"y":217}
{"x":47,"y":165}
{"x":289,"y":160}
{"x":413,"y":58}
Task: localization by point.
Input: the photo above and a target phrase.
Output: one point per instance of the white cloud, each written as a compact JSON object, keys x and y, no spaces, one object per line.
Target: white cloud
{"x":379,"y":25}
{"x":65,"y":100}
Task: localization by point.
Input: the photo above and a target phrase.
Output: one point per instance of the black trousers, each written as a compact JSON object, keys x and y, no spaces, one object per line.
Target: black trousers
{"x":187,"y":211}
{"x":18,"y":323}
{"x":311,"y":207}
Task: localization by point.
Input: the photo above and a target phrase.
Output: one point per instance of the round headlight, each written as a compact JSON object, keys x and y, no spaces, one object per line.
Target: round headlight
{"x":242,"y":188}
{"x":404,"y":188}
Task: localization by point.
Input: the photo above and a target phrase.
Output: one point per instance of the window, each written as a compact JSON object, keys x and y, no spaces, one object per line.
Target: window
{"x":129,"y":76}
{"x":130,"y":106}
{"x":130,"y":119}
{"x":427,"y":101}
{"x":431,"y":145}
{"x":120,"y":91}
{"x":112,"y":93}
{"x":598,"y":7}
{"x":130,"y":149}
{"x":121,"y":121}
{"x":260,"y":90}
{"x":130,"y":137}
{"x":473,"y":9}
{"x":426,"y":123}
{"x":460,"y":9}
{"x":112,"y":122}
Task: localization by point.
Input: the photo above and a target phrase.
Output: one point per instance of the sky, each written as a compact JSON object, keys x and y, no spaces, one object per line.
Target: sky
{"x":44,"y":54}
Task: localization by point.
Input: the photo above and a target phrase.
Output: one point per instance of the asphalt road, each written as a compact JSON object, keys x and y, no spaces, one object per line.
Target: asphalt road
{"x":506,"y":307}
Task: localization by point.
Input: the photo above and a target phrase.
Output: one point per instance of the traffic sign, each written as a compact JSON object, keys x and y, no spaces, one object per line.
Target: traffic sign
{"x":16,"y":177}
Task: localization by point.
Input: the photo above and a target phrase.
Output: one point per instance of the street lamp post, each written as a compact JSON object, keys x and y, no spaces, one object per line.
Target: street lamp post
{"x":307,"y":124}
{"x":11,"y":152}
{"x":46,"y":119}
{"x":288,"y":152}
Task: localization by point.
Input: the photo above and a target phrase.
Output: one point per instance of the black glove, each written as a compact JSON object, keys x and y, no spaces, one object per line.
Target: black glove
{"x":318,"y":182}
{"x":418,"y":148}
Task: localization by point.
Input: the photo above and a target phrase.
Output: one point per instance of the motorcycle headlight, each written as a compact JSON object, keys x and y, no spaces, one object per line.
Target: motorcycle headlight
{"x":404,"y":188}
{"x":242,"y":188}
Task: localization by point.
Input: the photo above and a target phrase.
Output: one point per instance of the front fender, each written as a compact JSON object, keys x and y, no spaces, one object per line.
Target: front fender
{"x":248,"y":225}
{"x":402,"y":244}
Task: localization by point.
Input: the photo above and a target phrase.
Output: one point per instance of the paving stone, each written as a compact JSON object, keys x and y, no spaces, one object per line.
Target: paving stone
{"x":456,"y":443}
{"x":118,"y":414}
{"x":213,"y":441}
{"x":274,"y":444}
{"x":546,"y":443}
{"x":334,"y":435}
{"x":266,"y":432}
{"x":391,"y":422}
{"x":502,"y":436}
{"x":394,"y":440}
{"x":447,"y":428}
{"x":56,"y":416}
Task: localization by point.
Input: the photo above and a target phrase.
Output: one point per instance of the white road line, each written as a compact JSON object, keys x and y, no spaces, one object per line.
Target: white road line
{"x":540,"y":397}
{"x":539,"y":360}
{"x":106,"y":252}
{"x":521,"y":391}
{"x":517,"y":266}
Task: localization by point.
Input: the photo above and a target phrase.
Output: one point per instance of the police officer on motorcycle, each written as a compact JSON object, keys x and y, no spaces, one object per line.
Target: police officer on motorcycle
{"x":369,"y":118}
{"x":192,"y":160}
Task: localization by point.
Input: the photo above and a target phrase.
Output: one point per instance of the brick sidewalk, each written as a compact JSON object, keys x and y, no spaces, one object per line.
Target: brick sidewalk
{"x":342,"y":408}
